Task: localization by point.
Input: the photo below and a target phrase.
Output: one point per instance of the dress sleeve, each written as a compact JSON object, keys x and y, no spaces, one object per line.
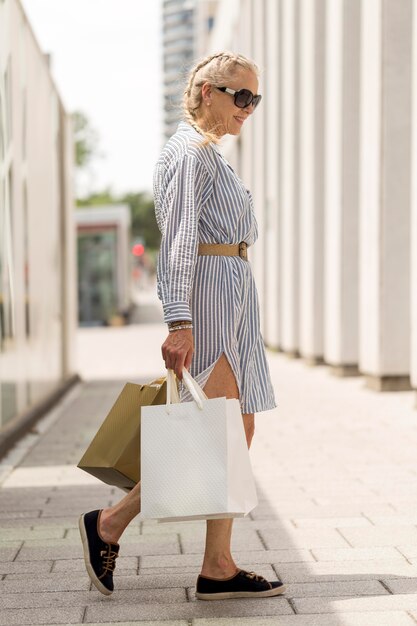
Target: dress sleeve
{"x":178,"y":215}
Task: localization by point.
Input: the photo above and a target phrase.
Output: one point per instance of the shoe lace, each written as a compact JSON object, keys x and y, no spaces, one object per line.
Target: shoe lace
{"x":254,"y":576}
{"x":109,"y":560}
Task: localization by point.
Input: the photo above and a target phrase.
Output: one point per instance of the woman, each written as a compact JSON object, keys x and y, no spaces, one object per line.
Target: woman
{"x":209,"y":298}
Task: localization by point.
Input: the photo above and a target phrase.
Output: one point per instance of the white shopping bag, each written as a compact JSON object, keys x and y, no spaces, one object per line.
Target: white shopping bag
{"x":194,"y":458}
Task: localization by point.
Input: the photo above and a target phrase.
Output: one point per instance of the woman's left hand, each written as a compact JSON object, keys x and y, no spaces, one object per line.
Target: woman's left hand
{"x":177,"y":350}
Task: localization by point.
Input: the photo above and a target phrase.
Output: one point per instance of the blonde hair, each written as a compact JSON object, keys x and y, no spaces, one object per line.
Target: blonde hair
{"x":216,"y":69}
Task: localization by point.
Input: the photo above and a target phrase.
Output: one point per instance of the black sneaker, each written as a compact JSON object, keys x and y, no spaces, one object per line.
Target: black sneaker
{"x":243,"y":584}
{"x":99,"y":556}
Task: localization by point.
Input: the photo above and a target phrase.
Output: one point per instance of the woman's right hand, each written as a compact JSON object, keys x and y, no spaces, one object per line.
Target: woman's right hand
{"x":177,"y":350}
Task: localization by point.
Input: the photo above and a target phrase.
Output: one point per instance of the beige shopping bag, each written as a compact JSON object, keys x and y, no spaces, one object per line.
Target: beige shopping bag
{"x":113,"y":456}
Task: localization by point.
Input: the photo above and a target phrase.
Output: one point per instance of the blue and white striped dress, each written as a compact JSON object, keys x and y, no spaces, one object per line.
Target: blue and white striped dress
{"x":199,"y":198}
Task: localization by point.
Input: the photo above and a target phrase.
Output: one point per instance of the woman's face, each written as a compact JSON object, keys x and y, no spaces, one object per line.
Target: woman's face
{"x":219,"y":107}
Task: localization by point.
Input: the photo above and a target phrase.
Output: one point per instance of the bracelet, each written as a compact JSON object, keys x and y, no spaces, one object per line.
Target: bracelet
{"x":179,"y":327}
{"x":178,"y":323}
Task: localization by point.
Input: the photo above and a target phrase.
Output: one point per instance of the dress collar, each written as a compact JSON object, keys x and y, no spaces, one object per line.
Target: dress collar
{"x":184,"y":125}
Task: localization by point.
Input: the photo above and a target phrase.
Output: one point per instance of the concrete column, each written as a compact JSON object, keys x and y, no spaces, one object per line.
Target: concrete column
{"x":413,"y":239}
{"x":341,"y":186}
{"x":258,"y":157}
{"x":272,"y":103}
{"x":384,"y":325}
{"x":311,"y":154}
{"x":288,"y":244}
{"x":245,"y":140}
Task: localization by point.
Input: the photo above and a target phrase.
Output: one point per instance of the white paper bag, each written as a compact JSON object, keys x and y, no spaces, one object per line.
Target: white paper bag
{"x":194,"y":458}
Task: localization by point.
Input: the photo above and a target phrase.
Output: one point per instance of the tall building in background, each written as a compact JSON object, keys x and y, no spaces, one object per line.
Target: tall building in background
{"x":186,"y":27}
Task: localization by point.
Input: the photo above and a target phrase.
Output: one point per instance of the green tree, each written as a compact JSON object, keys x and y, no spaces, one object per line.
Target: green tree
{"x":98,"y":198}
{"x":143,"y":218}
{"x":86,"y":140}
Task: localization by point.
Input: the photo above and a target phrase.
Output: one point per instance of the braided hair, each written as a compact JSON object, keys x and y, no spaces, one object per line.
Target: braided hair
{"x":216,"y":69}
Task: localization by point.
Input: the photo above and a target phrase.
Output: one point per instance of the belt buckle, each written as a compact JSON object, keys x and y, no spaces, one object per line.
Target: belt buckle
{"x":243,"y":253}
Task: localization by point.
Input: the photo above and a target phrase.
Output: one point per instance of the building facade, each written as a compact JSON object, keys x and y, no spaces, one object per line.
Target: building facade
{"x":331,"y":158}
{"x":37,"y":242}
{"x":186,"y":28}
{"x":104,"y":263}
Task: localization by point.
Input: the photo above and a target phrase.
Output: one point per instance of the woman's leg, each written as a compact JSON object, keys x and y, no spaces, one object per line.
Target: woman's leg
{"x":115,"y":519}
{"x":218,"y":561}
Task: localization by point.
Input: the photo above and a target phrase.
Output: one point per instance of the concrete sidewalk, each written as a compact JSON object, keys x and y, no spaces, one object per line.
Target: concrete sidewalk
{"x":336,"y":471}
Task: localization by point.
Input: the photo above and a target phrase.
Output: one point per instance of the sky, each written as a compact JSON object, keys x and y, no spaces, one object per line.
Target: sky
{"x":107,"y":63}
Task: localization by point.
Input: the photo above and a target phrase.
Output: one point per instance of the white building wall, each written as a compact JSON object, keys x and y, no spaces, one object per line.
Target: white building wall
{"x":384,"y":355}
{"x":258,"y":128}
{"x":289,"y":242}
{"x":341,"y":186}
{"x":311,"y":19}
{"x":329,"y":160}
{"x":37,"y":242}
{"x":413,"y":225}
{"x":271,"y":101}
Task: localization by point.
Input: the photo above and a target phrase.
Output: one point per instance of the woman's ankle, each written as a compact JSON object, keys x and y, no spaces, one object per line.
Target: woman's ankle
{"x":107,"y":528}
{"x":219,"y":567}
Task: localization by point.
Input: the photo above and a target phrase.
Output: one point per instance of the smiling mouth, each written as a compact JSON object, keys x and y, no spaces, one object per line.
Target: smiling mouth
{"x":240,"y":119}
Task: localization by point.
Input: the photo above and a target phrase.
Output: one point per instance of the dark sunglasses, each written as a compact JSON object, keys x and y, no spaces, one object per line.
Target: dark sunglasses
{"x":243,"y":97}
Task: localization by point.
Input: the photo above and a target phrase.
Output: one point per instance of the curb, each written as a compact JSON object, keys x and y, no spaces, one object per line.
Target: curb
{"x":19,"y":425}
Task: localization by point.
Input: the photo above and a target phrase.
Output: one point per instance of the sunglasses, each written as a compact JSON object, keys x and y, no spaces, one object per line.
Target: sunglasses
{"x":243,"y":98}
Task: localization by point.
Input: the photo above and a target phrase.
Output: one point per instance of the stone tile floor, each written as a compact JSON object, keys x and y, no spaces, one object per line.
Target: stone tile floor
{"x":336,"y":473}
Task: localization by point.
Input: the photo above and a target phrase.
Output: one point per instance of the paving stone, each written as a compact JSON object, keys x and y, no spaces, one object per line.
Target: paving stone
{"x":334,"y":588}
{"x":324,"y":571}
{"x":265,"y":556}
{"x":14,"y":515}
{"x":154,"y":548}
{"x":170,"y":622}
{"x":87,"y":598}
{"x":403,"y":602}
{"x":8,"y":554}
{"x":331,"y":522}
{"x":389,"y":618}
{"x":22,"y":583}
{"x":353,"y":554}
{"x":43,"y":551}
{"x":410,"y":551}
{"x":380,"y":536}
{"x":25,"y":566}
{"x":49,"y":615}
{"x":77,"y":565}
{"x":233,"y":608}
{"x":393,"y":520}
{"x":10,"y":534}
{"x":27,"y":523}
{"x":303,"y":538}
{"x":401,"y":585}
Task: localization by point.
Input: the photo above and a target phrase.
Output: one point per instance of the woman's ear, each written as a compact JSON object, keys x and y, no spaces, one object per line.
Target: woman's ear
{"x":206,"y":93}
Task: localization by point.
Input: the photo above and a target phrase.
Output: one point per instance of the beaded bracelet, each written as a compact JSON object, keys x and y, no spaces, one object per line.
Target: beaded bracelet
{"x":179,"y":326}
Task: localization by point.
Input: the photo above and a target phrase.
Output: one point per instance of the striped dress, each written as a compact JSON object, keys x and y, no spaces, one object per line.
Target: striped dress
{"x":199,"y":198}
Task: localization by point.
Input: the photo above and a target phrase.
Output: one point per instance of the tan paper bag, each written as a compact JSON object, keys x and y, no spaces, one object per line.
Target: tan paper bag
{"x":113,"y":456}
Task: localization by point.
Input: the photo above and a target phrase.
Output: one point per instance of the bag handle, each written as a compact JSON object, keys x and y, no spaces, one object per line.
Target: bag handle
{"x":194,"y":388}
{"x":172,"y":389}
{"x":192,"y":385}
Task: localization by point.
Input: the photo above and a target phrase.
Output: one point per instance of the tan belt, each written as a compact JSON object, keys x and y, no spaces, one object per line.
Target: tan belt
{"x":224,"y":249}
